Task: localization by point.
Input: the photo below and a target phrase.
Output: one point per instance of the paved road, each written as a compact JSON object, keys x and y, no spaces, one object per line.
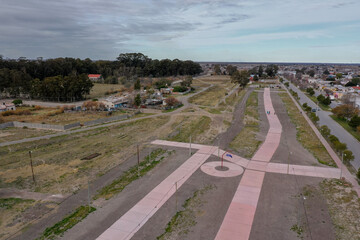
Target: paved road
{"x":352,"y":143}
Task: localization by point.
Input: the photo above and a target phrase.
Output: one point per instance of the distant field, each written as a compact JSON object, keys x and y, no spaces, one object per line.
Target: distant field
{"x":51,"y":116}
{"x":99,"y":89}
{"x":215,"y":94}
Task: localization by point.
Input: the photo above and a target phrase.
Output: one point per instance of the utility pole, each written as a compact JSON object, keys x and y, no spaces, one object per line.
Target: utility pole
{"x":342,"y":163}
{"x":138,"y":158}
{"x":89,"y":195}
{"x":32,"y":169}
{"x":190,"y":147}
{"x":218,"y":147}
{"x":176,"y":199}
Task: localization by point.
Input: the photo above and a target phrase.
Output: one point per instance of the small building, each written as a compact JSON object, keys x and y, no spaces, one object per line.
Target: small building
{"x":7,"y":107}
{"x":166,"y":90}
{"x":95,"y":77}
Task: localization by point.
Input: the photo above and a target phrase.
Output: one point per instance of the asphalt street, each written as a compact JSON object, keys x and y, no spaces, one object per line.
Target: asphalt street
{"x":352,"y":143}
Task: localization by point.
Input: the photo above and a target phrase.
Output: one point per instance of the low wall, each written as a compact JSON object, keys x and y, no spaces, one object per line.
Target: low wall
{"x":39,"y":125}
{"x":105,"y":120}
{"x":7,"y":124}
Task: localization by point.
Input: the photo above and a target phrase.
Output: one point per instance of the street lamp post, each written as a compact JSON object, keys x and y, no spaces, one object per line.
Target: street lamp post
{"x":342,"y":163}
{"x":31,"y":165}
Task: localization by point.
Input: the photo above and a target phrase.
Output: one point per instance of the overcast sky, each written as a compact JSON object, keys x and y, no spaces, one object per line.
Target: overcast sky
{"x":208,"y":30}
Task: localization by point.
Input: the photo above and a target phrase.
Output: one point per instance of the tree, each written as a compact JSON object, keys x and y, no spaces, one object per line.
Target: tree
{"x":271,"y":70}
{"x":358,"y":174}
{"x":230,"y":69}
{"x":305,"y":105}
{"x":327,"y":101}
{"x":261,"y":71}
{"x":137,"y":100}
{"x":354,"y":121}
{"x":338,"y":75}
{"x":311,"y":73}
{"x":187,"y":81}
{"x":286,"y":84}
{"x":310,"y":91}
{"x":320,"y":98}
{"x":217,"y":69}
{"x":137,"y":84}
{"x":325,"y":131}
{"x":17,"y":102}
{"x":333,"y":139}
{"x":345,"y":111}
{"x":339,"y":146}
{"x":348,"y":156}
{"x":326,"y":72}
{"x":314,"y":117}
{"x":241,"y":78}
{"x":171,"y":102}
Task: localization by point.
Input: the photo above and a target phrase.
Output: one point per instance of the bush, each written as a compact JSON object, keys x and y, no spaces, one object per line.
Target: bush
{"x":348,"y":156}
{"x":325,"y":131}
{"x":339,"y":146}
{"x":180,"y":89}
{"x":56,"y":112}
{"x":333,"y":139}
{"x":354,"y":122}
{"x":17,"y":102}
{"x":16,"y":112}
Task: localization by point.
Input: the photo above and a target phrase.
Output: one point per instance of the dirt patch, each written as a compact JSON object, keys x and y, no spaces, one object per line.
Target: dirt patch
{"x":290,"y":150}
{"x":344,"y":206}
{"x":284,"y":213}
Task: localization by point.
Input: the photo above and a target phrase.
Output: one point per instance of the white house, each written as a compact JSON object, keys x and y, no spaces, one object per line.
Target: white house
{"x":7,"y":107}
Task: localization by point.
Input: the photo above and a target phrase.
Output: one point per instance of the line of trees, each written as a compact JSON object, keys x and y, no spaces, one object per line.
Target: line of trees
{"x":65,"y":79}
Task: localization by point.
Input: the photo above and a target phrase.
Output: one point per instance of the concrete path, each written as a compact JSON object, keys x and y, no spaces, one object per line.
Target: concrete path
{"x":238,"y":220}
{"x":240,"y":215}
{"x":136,"y":217}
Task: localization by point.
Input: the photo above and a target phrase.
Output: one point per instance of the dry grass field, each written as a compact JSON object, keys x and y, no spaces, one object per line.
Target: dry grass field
{"x":246,"y":142}
{"x":54,"y":116}
{"x":101,"y":90}
{"x":215,"y":94}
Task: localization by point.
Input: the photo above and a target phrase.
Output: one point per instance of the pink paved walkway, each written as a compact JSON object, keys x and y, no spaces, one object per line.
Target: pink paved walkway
{"x":272,"y":141}
{"x":137,"y":216}
{"x":240,"y":215}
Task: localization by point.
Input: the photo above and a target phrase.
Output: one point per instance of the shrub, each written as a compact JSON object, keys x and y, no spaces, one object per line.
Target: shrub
{"x":325,"y":131}
{"x":333,"y":139}
{"x":180,"y":89}
{"x":339,"y":146}
{"x":17,"y":102}
{"x":171,"y":101}
{"x":37,"y":107}
{"x":355,"y":121}
{"x":16,"y":112}
{"x":348,"y":156}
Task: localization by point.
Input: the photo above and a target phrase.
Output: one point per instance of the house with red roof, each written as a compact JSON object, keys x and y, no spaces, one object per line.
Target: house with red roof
{"x":95,"y":77}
